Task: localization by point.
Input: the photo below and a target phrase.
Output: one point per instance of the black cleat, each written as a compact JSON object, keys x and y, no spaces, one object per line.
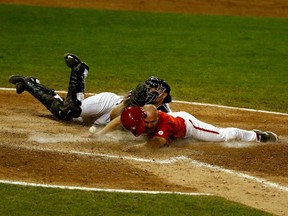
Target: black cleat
{"x":14,"y":79}
{"x":71,"y":60}
{"x":20,"y":87}
{"x":266,"y":136}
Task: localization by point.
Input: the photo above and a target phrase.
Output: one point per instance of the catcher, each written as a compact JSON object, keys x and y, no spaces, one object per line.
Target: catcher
{"x":98,"y":109}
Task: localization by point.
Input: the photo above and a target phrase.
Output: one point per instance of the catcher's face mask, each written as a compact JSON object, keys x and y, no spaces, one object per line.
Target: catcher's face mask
{"x":157,"y":87}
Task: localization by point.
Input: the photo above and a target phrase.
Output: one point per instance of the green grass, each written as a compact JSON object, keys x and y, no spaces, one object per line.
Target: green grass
{"x":235,"y":61}
{"x":20,"y":200}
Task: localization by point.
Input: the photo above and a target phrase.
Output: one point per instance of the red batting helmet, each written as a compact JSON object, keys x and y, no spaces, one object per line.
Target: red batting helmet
{"x":132,"y":118}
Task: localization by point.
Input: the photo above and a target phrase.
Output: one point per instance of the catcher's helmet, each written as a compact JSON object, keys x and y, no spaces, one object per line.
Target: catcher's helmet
{"x":155,"y":82}
{"x":132,"y":118}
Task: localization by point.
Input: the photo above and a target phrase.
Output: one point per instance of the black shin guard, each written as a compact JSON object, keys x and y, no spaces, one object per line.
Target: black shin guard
{"x":45,"y":95}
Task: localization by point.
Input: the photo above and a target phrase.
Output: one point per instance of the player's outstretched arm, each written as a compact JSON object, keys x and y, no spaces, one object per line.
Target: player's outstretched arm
{"x":116,"y":111}
{"x":113,"y":125}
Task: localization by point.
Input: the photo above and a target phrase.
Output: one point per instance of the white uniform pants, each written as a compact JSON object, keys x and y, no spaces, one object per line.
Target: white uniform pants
{"x":206,"y":132}
{"x":97,"y":108}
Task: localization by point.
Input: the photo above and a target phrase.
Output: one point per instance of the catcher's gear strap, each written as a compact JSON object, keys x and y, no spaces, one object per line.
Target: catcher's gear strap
{"x":164,"y":108}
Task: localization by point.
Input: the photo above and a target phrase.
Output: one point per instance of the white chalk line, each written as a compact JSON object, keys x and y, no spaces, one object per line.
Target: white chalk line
{"x":99,"y":189}
{"x":172,"y":160}
{"x":191,"y":103}
{"x":228,"y":107}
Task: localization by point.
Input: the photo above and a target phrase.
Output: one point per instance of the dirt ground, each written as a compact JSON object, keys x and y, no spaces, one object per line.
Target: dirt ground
{"x":265,"y":8}
{"x":36,"y":148}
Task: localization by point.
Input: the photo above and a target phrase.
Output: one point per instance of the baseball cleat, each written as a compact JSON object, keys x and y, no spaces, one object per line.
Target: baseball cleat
{"x":20,"y":87}
{"x":14,"y":79}
{"x":71,"y":60}
{"x":266,"y":136}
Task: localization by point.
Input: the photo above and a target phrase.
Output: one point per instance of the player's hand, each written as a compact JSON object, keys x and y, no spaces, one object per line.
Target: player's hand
{"x":127,"y":96}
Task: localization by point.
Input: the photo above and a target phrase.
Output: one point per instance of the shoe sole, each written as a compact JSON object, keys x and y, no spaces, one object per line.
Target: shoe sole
{"x":267,"y":132}
{"x":71,"y":60}
{"x":14,"y":79}
{"x":274,"y":135}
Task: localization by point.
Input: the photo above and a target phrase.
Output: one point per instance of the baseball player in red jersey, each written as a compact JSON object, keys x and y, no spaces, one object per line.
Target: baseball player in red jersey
{"x":161,"y":127}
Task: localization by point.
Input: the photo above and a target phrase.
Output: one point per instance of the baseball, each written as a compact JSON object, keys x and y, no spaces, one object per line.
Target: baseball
{"x":92,"y":129}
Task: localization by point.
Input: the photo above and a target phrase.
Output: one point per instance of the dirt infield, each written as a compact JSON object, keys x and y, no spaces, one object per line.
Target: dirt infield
{"x":265,"y":8}
{"x":36,"y":148}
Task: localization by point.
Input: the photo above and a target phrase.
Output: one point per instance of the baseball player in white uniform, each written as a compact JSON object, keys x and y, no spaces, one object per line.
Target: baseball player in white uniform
{"x":95,"y":109}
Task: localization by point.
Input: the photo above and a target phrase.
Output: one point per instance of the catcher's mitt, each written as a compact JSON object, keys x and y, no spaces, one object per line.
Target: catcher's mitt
{"x":137,"y":96}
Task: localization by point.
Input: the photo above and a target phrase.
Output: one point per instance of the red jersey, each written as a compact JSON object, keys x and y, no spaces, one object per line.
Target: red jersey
{"x":169,"y":127}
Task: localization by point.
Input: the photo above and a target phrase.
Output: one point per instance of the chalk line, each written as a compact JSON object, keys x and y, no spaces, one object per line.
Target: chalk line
{"x":228,"y":107}
{"x":100,"y":189}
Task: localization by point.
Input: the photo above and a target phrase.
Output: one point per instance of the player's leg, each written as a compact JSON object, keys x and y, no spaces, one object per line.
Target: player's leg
{"x":202,"y":131}
{"x":97,"y":108}
{"x":207,"y":132}
{"x":45,"y":95}
{"x":238,"y":134}
{"x":72,"y":104}
{"x":76,"y":88}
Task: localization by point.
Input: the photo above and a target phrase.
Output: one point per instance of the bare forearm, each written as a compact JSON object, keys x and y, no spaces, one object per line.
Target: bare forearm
{"x":116,"y":111}
{"x":109,"y":127}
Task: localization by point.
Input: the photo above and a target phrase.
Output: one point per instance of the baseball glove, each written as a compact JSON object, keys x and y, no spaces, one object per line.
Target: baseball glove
{"x":138,"y":96}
